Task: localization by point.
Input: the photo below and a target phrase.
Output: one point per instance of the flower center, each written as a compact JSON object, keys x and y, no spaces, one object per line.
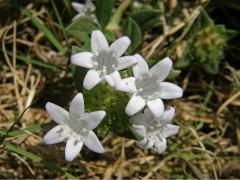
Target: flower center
{"x":154,"y":131}
{"x":77,"y":125}
{"x":148,"y":87}
{"x":104,"y":62}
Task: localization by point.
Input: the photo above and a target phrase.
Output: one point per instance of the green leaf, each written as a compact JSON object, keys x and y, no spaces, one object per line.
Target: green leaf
{"x":189,"y":156}
{"x":202,"y":21}
{"x":36,"y":62}
{"x":76,"y":49}
{"x":147,"y":19}
{"x":83,"y":23}
{"x":109,"y":35}
{"x":23,"y":152}
{"x":173,"y":74}
{"x":37,"y":158}
{"x":42,"y":27}
{"x":104,"y":11}
{"x":133,"y":31}
{"x":209,"y":143}
{"x":230,"y":34}
{"x":79,"y":35}
{"x":59,"y":19}
{"x":87,"y":45}
{"x":33,"y":128}
{"x":81,"y":28}
{"x":211,"y":67}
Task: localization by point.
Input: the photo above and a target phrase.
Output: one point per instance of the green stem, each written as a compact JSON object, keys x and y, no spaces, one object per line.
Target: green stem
{"x":114,"y":23}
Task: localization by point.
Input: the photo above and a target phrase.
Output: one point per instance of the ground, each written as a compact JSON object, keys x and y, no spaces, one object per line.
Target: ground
{"x":207,"y":145}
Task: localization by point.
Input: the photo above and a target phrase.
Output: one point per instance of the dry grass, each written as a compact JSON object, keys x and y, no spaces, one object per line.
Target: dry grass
{"x":206,"y":147}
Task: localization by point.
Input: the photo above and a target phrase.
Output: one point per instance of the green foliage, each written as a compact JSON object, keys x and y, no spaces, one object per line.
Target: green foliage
{"x":104,"y":11}
{"x":104,"y":97}
{"x":81,"y":27}
{"x":82,"y":23}
{"x":204,"y":44}
{"x":59,"y":19}
{"x":133,"y":31}
{"x":37,"y":158}
{"x":32,"y":129}
{"x":42,"y":27}
{"x":147,"y":19}
{"x":173,"y":74}
{"x":109,"y":35}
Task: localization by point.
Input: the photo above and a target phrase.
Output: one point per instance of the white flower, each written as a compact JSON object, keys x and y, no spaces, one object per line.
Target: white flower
{"x":87,"y":9}
{"x":154,"y":131}
{"x":75,"y":127}
{"x":104,"y":61}
{"x":148,"y":87}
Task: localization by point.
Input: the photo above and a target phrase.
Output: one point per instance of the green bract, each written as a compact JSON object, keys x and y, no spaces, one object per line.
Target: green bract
{"x":204,"y":44}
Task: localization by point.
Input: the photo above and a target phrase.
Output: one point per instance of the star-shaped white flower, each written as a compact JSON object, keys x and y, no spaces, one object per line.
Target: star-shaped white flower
{"x":104,"y":62}
{"x":148,"y":88}
{"x":75,"y":127}
{"x":87,"y":9}
{"x":154,"y":131}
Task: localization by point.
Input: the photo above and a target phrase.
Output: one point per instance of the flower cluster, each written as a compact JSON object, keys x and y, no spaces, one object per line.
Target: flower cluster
{"x":154,"y":131}
{"x":87,"y":9}
{"x":146,"y":88}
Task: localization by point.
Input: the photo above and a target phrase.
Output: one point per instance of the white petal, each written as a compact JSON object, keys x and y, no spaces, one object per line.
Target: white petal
{"x":141,"y":67}
{"x":161,"y":146}
{"x":135,"y":105}
{"x":78,"y":6}
{"x":83,"y":59}
{"x":126,"y":85}
{"x":91,"y":79}
{"x":112,"y":78}
{"x":167,"y":115}
{"x":53,"y":136}
{"x":156,"y":106}
{"x":120,"y":46}
{"x":77,"y":16}
{"x":93,"y":119}
{"x":148,"y":115}
{"x":77,"y":105}
{"x":140,"y":130}
{"x":142,"y":143}
{"x":58,"y":114}
{"x":126,"y":62}
{"x":98,"y":42}
{"x":170,"y":130}
{"x":73,"y":148}
{"x":161,"y":69}
{"x":90,"y":5}
{"x":93,"y":143}
{"x":170,"y":91}
{"x":149,"y":144}
{"x":139,"y":119}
